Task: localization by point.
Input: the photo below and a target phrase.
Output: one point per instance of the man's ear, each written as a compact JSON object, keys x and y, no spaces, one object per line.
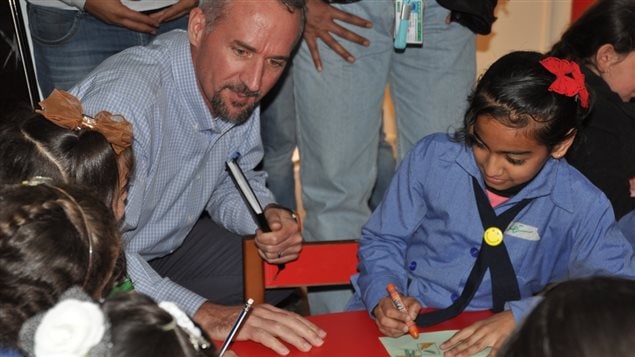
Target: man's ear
{"x":605,"y":57}
{"x":561,"y":149}
{"x":196,"y":26}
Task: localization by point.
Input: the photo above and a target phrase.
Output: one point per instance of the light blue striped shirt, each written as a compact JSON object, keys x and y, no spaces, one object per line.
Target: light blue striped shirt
{"x":180,"y":152}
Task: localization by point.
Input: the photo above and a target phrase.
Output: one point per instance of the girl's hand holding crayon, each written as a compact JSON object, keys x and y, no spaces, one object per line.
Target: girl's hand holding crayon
{"x":490,"y":332}
{"x":390,"y":320}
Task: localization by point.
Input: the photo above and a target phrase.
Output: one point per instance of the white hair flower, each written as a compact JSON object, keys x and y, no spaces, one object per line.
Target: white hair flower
{"x":184,"y":322}
{"x":69,"y":329}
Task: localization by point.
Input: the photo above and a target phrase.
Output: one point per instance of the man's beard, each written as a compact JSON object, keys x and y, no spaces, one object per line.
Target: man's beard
{"x":222,"y":111}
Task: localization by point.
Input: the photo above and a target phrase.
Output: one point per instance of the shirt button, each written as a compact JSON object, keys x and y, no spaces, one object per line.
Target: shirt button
{"x":474,"y":252}
{"x":412,"y":266}
{"x":454,"y":296}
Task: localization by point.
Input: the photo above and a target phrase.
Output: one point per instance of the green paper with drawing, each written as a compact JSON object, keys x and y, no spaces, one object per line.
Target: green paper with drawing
{"x":426,"y":345}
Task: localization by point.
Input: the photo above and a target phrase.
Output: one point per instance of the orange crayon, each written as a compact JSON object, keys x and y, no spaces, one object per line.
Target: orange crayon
{"x":396,"y":299}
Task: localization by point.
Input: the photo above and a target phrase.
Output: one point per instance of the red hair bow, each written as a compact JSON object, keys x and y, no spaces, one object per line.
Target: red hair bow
{"x":569,"y":79}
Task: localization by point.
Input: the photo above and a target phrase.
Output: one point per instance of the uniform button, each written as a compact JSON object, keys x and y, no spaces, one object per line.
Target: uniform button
{"x":412,"y":266}
{"x":474,"y":252}
{"x":454,"y":296}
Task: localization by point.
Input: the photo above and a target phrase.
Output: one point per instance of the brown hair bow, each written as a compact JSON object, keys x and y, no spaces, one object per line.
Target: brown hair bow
{"x":63,"y":109}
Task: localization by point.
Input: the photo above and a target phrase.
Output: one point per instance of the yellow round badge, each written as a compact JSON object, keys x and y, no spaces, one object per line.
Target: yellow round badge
{"x":493,"y":236}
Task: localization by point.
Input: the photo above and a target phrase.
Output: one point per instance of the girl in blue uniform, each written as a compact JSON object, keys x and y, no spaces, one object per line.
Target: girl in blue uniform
{"x":487,"y":217}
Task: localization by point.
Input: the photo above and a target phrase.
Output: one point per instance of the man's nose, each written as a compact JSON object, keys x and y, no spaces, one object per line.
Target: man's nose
{"x":252,"y":76}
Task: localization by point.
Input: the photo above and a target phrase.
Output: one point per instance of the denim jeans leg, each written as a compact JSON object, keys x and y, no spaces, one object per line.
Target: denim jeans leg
{"x":429,"y":85}
{"x":339,"y":120}
{"x":278,"y":130}
{"x":68,"y":44}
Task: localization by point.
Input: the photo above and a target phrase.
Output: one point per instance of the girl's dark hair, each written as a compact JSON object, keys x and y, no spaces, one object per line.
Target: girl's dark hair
{"x":585,"y":317}
{"x":140,"y":328}
{"x":605,"y":22}
{"x":514,"y":91}
{"x":33,"y":146}
{"x":46,"y":235}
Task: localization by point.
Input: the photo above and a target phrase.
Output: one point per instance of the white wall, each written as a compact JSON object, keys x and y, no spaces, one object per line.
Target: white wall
{"x":523,"y":25}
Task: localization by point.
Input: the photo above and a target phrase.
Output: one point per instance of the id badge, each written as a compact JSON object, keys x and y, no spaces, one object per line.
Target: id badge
{"x":408,"y":23}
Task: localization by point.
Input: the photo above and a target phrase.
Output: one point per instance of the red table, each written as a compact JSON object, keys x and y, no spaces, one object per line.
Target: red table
{"x":351,"y":334}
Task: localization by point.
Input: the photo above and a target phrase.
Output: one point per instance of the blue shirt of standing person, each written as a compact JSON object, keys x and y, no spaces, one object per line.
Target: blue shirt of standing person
{"x":427,"y":233}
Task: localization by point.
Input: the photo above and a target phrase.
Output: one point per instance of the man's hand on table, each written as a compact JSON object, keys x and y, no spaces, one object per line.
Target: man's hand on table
{"x":392,"y":322}
{"x":320,"y":24}
{"x":490,"y":332}
{"x":265,"y":324}
{"x":284,"y":242}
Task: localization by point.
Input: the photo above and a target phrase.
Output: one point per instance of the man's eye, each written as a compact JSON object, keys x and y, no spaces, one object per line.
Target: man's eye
{"x":277,"y":63}
{"x":515,"y":161}
{"x":240,"y":52}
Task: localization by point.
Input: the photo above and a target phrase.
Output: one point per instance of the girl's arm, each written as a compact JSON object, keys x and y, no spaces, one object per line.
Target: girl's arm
{"x":387,"y":235}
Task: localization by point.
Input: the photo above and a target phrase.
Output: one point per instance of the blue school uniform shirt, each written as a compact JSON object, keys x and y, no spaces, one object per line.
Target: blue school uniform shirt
{"x":426,"y":234}
{"x":180,"y":152}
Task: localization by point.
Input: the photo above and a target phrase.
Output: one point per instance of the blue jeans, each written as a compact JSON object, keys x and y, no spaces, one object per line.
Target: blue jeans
{"x":68,"y":44}
{"x":278,"y":131}
{"x":339,"y":111}
{"x":277,"y":128}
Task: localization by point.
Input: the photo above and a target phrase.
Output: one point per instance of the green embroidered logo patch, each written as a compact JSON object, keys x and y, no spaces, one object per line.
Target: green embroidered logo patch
{"x":523,"y":231}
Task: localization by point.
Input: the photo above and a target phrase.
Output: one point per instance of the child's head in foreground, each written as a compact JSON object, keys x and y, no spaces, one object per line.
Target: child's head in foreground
{"x":585,"y":317}
{"x":141,"y":327}
{"x":61,"y":143}
{"x":52,"y":237}
{"x":127,"y":325}
{"x":521,"y":114}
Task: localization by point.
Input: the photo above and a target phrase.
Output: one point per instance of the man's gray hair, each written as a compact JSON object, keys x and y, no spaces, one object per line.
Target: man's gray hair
{"x":214,"y":10}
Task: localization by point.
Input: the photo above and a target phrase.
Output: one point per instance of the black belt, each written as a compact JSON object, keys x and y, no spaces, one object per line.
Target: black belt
{"x":493,"y":255}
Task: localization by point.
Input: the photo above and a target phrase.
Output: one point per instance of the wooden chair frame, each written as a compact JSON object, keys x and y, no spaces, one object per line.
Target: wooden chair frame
{"x":319,"y":264}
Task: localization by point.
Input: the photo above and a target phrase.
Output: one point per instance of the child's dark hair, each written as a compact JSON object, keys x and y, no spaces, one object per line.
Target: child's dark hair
{"x":605,"y":22}
{"x":139,"y":327}
{"x":585,"y":317}
{"x":51,"y":238}
{"x":32,"y":146}
{"x":515,"y":91}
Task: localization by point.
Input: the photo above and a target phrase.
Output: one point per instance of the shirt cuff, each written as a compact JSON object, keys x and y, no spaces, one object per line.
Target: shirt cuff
{"x":521,"y":308}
